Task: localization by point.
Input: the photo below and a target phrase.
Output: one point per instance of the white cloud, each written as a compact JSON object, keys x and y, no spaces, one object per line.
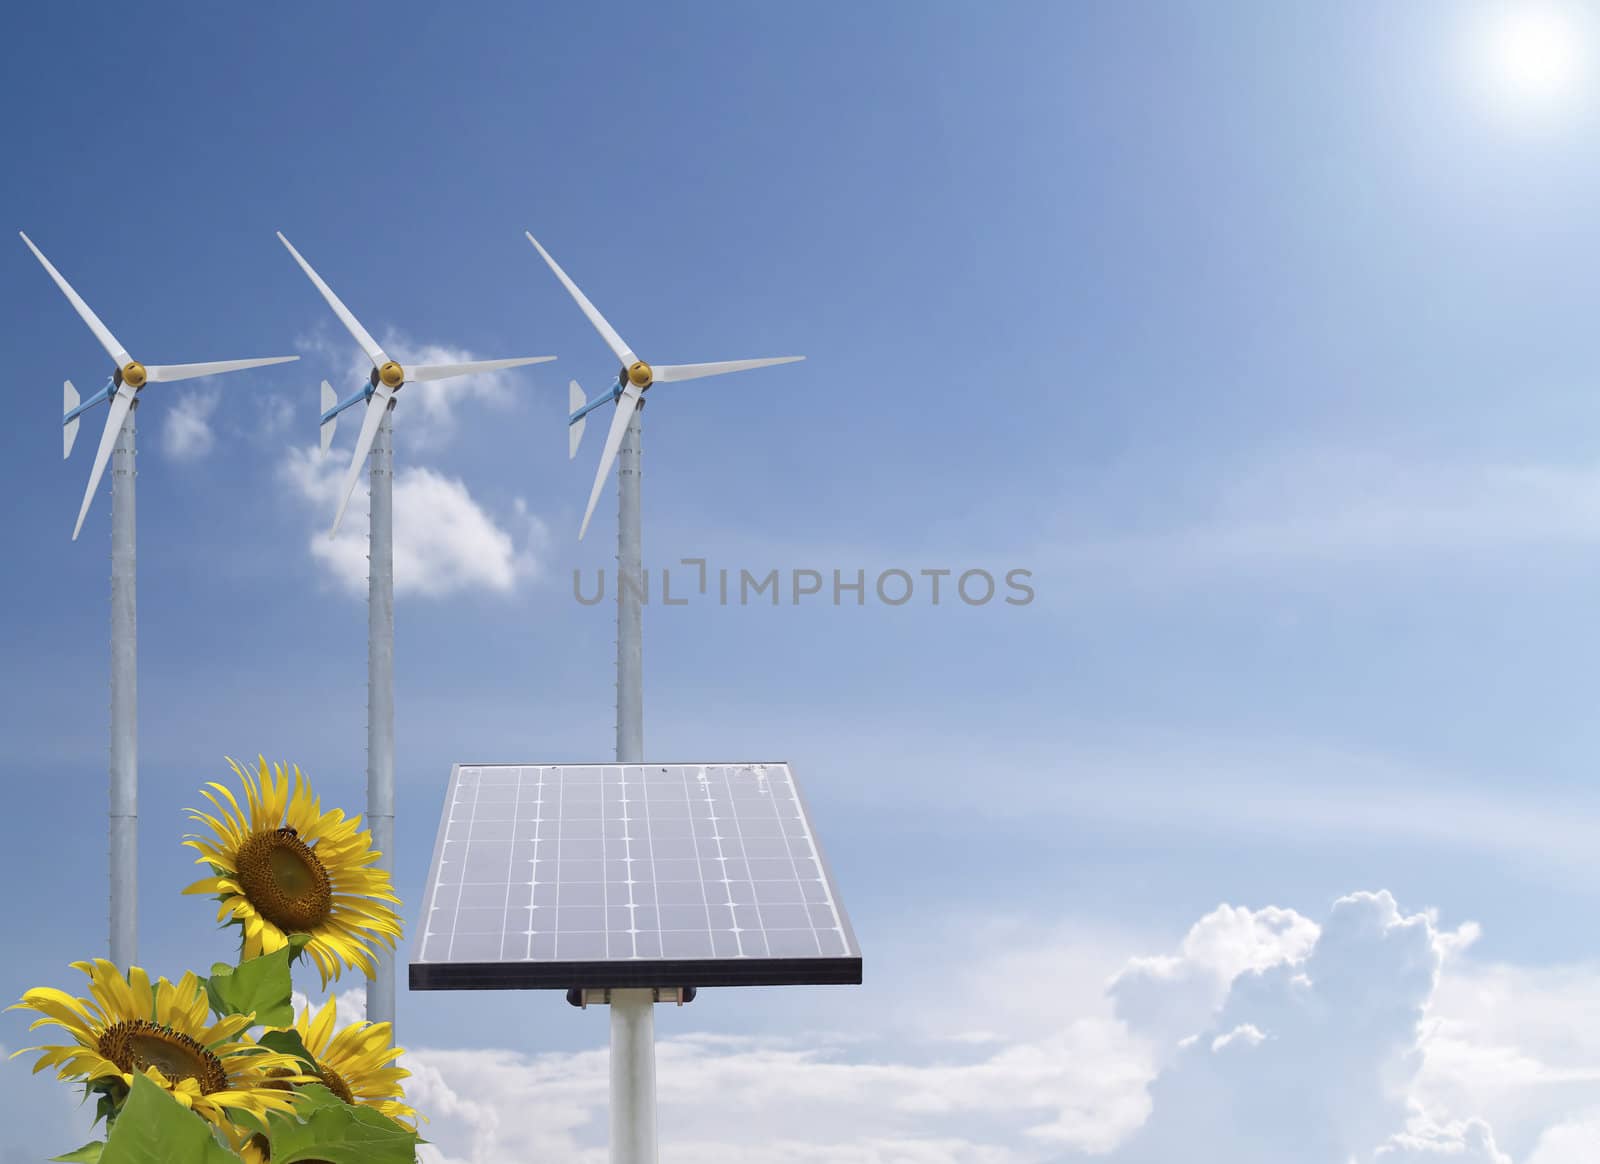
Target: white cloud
{"x":1372,"y":1038}
{"x":1311,"y":1058}
{"x":1573,"y":1142}
{"x":1457,"y":1142}
{"x":1172,"y":997}
{"x":186,"y":433}
{"x":1304,"y":1043}
{"x":444,"y":540}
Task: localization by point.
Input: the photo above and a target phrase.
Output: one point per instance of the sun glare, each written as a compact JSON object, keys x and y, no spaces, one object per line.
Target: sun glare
{"x":1535,"y":57}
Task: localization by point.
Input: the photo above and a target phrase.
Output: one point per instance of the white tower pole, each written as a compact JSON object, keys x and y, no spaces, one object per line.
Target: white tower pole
{"x":630,"y":595}
{"x":380,"y":689}
{"x":633,"y":1034}
{"x":124,"y":801}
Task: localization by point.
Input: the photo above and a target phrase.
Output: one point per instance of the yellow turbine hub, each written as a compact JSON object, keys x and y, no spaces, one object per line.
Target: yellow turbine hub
{"x":392,"y":374}
{"x":133,"y":374}
{"x":640,"y":375}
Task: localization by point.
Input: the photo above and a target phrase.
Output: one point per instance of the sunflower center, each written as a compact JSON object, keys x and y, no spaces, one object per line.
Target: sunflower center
{"x":284,"y":880}
{"x":136,"y":1044}
{"x":336,"y":1084}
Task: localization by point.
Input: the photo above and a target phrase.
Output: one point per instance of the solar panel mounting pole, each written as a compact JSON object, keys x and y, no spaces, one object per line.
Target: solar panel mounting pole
{"x":124,"y":799}
{"x":633,"y":1035}
{"x":380,"y":688}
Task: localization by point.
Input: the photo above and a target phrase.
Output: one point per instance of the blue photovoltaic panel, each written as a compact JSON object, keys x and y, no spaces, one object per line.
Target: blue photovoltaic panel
{"x":596,"y":875}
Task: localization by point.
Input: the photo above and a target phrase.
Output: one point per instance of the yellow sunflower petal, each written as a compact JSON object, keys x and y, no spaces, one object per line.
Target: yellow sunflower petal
{"x":321,"y":1028}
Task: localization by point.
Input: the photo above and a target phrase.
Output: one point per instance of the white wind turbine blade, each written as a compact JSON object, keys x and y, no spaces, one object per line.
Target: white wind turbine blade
{"x":575,"y":400}
{"x":120,"y":404}
{"x":627,"y":405}
{"x":608,"y":333}
{"x":329,"y":399}
{"x":446,"y":371}
{"x":369,"y":433}
{"x":69,"y":429}
{"x":351,"y":324}
{"x":667,"y":373}
{"x":167,"y":373}
{"x":101,"y":332}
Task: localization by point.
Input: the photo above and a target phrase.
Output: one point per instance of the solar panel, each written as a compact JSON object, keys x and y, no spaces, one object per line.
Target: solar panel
{"x":629,"y":875}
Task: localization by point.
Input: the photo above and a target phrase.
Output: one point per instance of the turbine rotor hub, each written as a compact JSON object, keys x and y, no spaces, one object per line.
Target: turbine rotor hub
{"x":132,"y":374}
{"x":639,"y":374}
{"x":392,"y":375}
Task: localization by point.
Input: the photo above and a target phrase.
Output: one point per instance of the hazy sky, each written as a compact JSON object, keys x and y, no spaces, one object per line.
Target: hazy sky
{"x":1262,"y":335}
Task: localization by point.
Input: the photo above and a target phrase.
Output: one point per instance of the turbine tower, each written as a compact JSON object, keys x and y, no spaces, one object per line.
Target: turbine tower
{"x":122,"y":390}
{"x":376,"y":437}
{"x":633,"y":1070}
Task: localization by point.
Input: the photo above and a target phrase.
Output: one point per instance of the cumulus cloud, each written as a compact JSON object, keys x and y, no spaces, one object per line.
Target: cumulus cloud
{"x":186,"y":433}
{"x":1309,"y":1058}
{"x":1264,"y":1036}
{"x":1171,"y":997}
{"x":444,"y":540}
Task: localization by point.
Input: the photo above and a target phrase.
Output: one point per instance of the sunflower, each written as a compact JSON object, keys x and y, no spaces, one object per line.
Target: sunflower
{"x":356,"y":1064}
{"x":127,"y":1026}
{"x":282,"y":866}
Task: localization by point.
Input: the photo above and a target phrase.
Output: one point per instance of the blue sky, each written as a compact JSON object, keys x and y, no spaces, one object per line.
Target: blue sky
{"x":1262,"y":335}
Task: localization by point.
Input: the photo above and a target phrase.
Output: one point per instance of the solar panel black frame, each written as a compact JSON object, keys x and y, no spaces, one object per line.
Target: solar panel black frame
{"x":840,"y":964}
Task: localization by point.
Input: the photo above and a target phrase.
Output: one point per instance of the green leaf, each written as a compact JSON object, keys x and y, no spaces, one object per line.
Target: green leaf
{"x":289,"y":1043}
{"x":340,"y":1133}
{"x":261,"y":985}
{"x":154,"y":1128}
{"x":249,"y":1121}
{"x":88,"y":1154}
{"x":298,"y":942}
{"x":111,"y":1093}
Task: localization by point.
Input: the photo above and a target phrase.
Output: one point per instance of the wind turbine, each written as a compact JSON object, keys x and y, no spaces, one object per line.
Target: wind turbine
{"x":633,"y":381}
{"x":376,"y":437}
{"x":122,"y":390}
{"x":633,"y":1097}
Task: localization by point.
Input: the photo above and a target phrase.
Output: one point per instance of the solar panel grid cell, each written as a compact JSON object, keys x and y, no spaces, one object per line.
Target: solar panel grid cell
{"x":623,"y":875}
